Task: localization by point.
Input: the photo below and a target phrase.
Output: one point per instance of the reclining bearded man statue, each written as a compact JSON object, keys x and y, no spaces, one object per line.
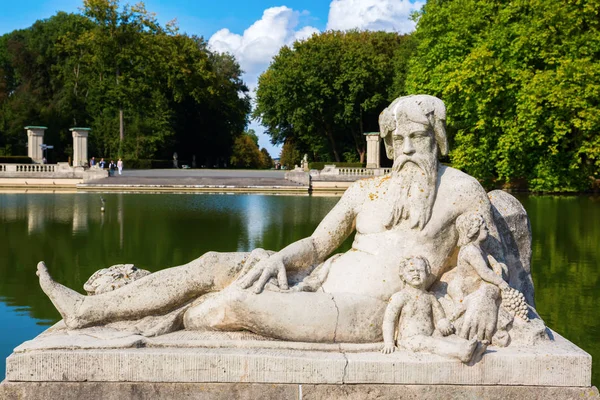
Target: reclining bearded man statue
{"x":411,"y":211}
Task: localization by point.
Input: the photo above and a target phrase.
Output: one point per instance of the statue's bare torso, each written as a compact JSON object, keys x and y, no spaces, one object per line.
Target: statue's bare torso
{"x":370,"y":267}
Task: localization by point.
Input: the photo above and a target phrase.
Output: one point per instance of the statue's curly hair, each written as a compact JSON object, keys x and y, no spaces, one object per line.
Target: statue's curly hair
{"x":468,"y":226}
{"x":433,"y":113}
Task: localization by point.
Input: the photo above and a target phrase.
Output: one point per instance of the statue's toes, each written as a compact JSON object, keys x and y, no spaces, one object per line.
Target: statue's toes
{"x":41,"y":268}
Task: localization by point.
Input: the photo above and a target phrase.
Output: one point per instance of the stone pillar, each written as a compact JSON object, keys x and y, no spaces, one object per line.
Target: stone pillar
{"x":373,"y":143}
{"x":80,"y":148}
{"x":35,"y":138}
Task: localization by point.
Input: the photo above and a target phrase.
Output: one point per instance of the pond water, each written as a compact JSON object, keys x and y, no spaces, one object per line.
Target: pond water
{"x":155,"y":231}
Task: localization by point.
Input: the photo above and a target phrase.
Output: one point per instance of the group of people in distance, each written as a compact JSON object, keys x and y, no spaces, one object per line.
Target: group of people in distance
{"x":112,"y":166}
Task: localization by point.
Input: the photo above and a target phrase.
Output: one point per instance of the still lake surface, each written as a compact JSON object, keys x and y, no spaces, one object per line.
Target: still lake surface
{"x":155,"y":231}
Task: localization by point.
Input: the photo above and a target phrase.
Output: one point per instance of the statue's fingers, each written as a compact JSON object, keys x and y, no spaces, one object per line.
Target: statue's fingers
{"x":262,"y":281}
{"x":250,"y":278}
{"x":464,"y":329}
{"x":481,"y":332}
{"x":471,"y":332}
{"x":282,"y":278}
{"x":489,"y":332}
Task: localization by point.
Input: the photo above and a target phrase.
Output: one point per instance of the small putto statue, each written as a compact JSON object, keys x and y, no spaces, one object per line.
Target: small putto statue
{"x":420,"y":319}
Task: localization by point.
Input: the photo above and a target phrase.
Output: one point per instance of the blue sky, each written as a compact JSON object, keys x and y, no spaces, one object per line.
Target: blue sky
{"x":252,"y":30}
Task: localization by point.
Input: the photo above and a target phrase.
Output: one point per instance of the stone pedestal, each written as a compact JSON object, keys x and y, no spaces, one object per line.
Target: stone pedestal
{"x":373,"y":158}
{"x":267,"y":391}
{"x":186,"y":364}
{"x":80,"y":149}
{"x":35,"y":139}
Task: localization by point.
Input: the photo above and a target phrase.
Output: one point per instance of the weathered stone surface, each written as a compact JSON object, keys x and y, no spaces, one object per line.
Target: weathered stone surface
{"x":436,"y":392}
{"x":249,"y":391}
{"x":145,"y":391}
{"x":514,"y":230}
{"x":558,"y":363}
{"x":109,"y":279}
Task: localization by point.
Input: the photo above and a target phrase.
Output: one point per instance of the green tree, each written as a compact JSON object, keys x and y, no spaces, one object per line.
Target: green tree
{"x":114,"y":67}
{"x":323,"y":93}
{"x":266,"y":159}
{"x":245,"y":152}
{"x":521,"y":81}
{"x":290,"y":155}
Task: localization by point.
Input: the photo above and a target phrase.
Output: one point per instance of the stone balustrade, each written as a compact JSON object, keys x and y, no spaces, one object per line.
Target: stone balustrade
{"x":50,"y":171}
{"x":330,"y":170}
{"x":33,"y":167}
{"x":28,"y":169}
{"x":363,"y":171}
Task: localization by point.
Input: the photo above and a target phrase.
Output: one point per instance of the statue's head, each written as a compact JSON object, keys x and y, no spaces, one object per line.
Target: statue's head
{"x":408,"y":116}
{"x":414,"y":133}
{"x":471,"y":226}
{"x":414,"y":270}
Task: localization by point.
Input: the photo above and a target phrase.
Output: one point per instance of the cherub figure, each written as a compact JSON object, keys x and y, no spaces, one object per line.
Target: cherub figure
{"x":420,"y":319}
{"x":474,"y":268}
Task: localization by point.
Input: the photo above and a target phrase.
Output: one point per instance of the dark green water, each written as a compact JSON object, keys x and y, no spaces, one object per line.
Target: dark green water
{"x":155,"y":231}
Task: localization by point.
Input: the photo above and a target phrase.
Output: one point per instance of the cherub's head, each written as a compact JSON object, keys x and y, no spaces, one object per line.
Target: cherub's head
{"x":414,"y":271}
{"x":471,"y":227}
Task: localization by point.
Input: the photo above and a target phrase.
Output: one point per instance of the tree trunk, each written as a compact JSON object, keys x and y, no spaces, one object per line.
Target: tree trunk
{"x":121,"y":128}
{"x":329,"y":134}
{"x":359,"y":144}
{"x":121,"y":132}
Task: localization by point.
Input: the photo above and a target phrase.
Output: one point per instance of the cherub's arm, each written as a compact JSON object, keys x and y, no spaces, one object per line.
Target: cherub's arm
{"x":475,"y":259}
{"x":439,"y":318}
{"x":390,"y":320}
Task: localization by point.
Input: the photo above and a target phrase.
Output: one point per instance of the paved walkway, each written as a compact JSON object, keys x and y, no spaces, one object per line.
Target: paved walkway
{"x":196,"y":179}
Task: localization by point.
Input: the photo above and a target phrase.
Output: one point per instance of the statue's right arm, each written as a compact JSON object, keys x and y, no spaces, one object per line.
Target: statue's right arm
{"x":479,"y":264}
{"x":337,"y":225}
{"x":390,"y":319}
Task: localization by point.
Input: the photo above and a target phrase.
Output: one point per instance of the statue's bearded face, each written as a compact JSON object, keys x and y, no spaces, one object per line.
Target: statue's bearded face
{"x":414,"y":173}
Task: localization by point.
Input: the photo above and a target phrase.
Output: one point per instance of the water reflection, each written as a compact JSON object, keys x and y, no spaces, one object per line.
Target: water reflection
{"x":155,"y":231}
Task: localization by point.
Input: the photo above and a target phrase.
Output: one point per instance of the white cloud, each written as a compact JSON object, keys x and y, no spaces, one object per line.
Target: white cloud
{"x":373,"y":15}
{"x":255,"y":48}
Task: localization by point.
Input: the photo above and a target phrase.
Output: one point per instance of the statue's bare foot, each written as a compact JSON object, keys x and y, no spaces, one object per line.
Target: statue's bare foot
{"x":66,"y":301}
{"x":468,"y":350}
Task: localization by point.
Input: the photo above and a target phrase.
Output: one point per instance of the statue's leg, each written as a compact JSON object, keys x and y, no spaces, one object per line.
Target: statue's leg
{"x":297,"y":316}
{"x":153,"y":294}
{"x":449,"y":346}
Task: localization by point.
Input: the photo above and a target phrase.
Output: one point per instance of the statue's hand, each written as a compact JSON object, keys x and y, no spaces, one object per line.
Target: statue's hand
{"x":263,"y":271}
{"x":445,"y":327}
{"x":481,"y":314}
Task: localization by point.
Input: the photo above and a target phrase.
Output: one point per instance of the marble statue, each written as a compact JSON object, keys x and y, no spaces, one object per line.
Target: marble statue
{"x":303,"y":293}
{"x":418,"y":315}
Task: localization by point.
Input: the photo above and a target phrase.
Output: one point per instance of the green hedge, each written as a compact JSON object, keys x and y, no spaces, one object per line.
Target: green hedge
{"x":148,"y":164}
{"x":15,"y":160}
{"x":321,"y":165}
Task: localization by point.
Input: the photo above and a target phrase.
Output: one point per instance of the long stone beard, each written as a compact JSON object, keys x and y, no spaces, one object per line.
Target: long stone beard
{"x":412,"y":190}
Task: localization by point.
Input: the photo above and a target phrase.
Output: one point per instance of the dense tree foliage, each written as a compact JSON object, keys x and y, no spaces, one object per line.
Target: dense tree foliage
{"x":521,"y":81}
{"x":145,"y":90}
{"x":246,"y":153}
{"x":290,"y":155}
{"x":325,"y":92}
